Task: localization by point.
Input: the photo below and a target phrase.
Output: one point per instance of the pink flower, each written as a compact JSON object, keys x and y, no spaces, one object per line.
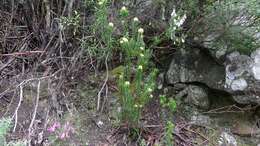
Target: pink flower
{"x":55,"y":126}
{"x":67,"y":129}
{"x":63,"y":135}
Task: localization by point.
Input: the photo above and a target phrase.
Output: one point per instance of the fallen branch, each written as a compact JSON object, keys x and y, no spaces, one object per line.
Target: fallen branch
{"x":103,"y":86}
{"x":35,"y":108}
{"x":17,"y":108}
{"x":22,"y":53}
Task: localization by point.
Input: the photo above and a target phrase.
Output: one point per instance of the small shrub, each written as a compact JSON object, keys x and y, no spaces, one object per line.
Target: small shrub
{"x":5,"y":125}
{"x":100,"y":44}
{"x":71,"y":22}
{"x":63,"y":131}
{"x":135,"y":86}
{"x":168,"y":137}
{"x":175,"y":27}
{"x":168,"y":103}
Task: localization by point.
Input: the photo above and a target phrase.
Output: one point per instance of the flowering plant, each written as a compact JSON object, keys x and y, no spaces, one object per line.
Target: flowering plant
{"x":60,"y":132}
{"x":175,"y":26}
{"x":135,"y":85}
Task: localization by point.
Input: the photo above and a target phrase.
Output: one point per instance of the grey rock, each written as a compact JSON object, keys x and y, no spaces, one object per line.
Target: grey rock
{"x":242,"y":74}
{"x":195,"y":95}
{"x":227,"y":139}
{"x":239,"y":76}
{"x":192,"y":65}
{"x":199,"y":119}
{"x":198,"y":96}
{"x":239,"y":85}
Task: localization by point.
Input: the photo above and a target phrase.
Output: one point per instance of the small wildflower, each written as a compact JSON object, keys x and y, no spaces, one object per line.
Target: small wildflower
{"x":181,"y":20}
{"x":142,"y":55}
{"x":63,"y":135}
{"x":110,"y":24}
{"x":136,"y":105}
{"x":100,"y":123}
{"x":151,"y":96}
{"x":182,"y":40}
{"x":173,"y":14}
{"x":55,"y":126}
{"x":149,"y":90}
{"x":127,"y":83}
{"x":141,"y":30}
{"x":67,"y":130}
{"x":141,"y":48}
{"x":121,"y":41}
{"x":136,"y":19}
{"x":123,"y":8}
{"x":101,"y":2}
{"x":140,"y":106}
{"x":120,"y":76}
{"x":124,"y":40}
{"x":140,"y":67}
{"x":124,"y":11}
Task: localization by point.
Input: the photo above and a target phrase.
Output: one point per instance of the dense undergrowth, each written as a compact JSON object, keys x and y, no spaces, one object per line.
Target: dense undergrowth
{"x":57,"y":40}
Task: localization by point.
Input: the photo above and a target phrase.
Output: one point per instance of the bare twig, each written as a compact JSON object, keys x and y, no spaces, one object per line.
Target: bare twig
{"x":105,"y":99}
{"x":230,"y":109}
{"x":35,"y":108}
{"x":70,"y":7}
{"x":103,"y":86}
{"x":48,"y":14}
{"x":17,"y":108}
{"x":22,"y":53}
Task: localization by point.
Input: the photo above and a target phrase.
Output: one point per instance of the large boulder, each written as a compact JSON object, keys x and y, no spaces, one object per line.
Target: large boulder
{"x":239,"y":76}
{"x":192,"y":65}
{"x":242,"y":77}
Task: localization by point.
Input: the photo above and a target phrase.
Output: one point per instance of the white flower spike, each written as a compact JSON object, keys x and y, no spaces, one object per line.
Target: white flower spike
{"x":127,"y":83}
{"x":101,"y":2}
{"x":124,"y":40}
{"x":136,"y":19}
{"x":123,"y":8}
{"x":110,"y":24}
{"x":141,"y":30}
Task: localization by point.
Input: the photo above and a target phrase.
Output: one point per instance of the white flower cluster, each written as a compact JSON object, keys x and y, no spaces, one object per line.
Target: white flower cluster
{"x":177,"y":19}
{"x":175,"y":25}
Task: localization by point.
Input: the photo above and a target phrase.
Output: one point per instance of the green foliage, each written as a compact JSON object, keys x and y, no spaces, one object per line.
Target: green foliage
{"x":168,"y":103}
{"x":71,"y":22}
{"x":135,"y":87}
{"x":5,"y":125}
{"x":231,"y":25}
{"x":174,"y":31}
{"x":65,"y":130}
{"x":100,"y":45}
{"x":168,"y":137}
{"x":100,"y":27}
{"x":195,"y":8}
{"x":89,"y":4}
{"x":4,"y":128}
